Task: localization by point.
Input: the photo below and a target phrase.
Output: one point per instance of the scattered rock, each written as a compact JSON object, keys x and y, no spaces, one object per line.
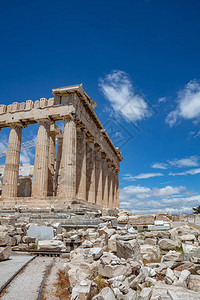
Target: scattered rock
{"x":5,"y":252}
{"x":145,"y":294}
{"x":128,"y":249}
{"x":51,"y":245}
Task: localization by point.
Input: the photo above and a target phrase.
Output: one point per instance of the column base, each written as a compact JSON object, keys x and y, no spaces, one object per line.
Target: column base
{"x":45,"y":203}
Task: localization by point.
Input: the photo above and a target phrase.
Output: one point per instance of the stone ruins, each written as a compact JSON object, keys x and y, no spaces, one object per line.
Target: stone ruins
{"x":86,"y":166}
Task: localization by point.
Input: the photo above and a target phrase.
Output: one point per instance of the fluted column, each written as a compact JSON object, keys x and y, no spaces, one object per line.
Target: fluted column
{"x":67,"y":175}
{"x":114,"y":188}
{"x":117,"y":188}
{"x":11,"y":172}
{"x":58,"y":160}
{"x":81,"y":164}
{"x":52,"y":142}
{"x":90,"y":171}
{"x":40,"y":173}
{"x":98,"y":176}
{"x":105,"y":181}
{"x":110,"y":186}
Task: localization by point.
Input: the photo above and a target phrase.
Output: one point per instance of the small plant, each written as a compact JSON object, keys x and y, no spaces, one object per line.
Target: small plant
{"x":196,"y":210}
{"x":100,"y":282}
{"x":180,"y":249}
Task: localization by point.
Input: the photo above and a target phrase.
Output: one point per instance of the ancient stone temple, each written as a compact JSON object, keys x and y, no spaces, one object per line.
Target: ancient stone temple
{"x":79,"y":164}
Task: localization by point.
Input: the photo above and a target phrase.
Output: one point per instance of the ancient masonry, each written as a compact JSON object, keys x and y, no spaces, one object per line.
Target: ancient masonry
{"x":86,"y":166}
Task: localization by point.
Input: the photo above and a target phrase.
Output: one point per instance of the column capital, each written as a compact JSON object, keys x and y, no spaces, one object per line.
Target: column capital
{"x":97,"y":147}
{"x":81,"y":127}
{"x":90,"y":139}
{"x":55,"y":130}
{"x":17,"y":124}
{"x":70,"y":116}
{"x":59,"y":139}
{"x":46,"y":120}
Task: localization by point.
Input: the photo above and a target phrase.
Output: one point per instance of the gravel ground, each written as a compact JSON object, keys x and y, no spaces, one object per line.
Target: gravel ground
{"x":26,"y":285}
{"x":49,"y":289}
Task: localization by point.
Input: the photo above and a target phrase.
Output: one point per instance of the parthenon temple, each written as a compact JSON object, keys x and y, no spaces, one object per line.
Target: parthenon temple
{"x":79,"y":163}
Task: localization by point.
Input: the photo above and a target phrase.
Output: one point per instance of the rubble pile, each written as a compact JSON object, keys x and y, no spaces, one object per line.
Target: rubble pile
{"x":125,"y":257}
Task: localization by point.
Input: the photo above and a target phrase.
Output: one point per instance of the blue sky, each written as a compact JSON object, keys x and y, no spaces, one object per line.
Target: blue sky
{"x":139,"y":60}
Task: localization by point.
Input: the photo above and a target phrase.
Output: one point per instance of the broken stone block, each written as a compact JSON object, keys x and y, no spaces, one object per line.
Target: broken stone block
{"x":105,"y":294}
{"x":167,"y":244}
{"x":145,"y":294}
{"x":150,"y":253}
{"x":123,"y":219}
{"x":4,"y":238}
{"x":128,"y":249}
{"x":194,"y":283}
{"x":51,"y":245}
{"x":188,"y":237}
{"x":82,"y":291}
{"x":96,"y":253}
{"x":87,"y":244}
{"x":172,"y":295}
{"x":28,"y":239}
{"x":184,"y":278}
{"x":40,"y":232}
{"x":173,"y":256}
{"x":142,"y":219}
{"x":5,"y":252}
{"x":170,"y":277}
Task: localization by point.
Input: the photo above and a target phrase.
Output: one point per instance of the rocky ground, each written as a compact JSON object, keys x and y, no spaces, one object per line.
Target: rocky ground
{"x":121,"y":258}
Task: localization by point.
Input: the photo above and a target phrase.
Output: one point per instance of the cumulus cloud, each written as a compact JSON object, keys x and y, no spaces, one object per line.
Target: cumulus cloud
{"x":141,"y":199}
{"x":119,"y":91}
{"x":188,"y":103}
{"x":167,"y":191}
{"x":141,"y":176}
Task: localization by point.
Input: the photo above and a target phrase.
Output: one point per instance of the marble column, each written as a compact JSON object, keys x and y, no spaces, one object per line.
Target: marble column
{"x":11,"y":172}
{"x":58,"y":160}
{"x":67,"y":174}
{"x":52,"y":143}
{"x":117,"y":188}
{"x":105,"y":195}
{"x":81,"y":164}
{"x":90,"y":185}
{"x":40,"y":173}
{"x":114,"y":187}
{"x":98,"y":176}
{"x":110,"y":186}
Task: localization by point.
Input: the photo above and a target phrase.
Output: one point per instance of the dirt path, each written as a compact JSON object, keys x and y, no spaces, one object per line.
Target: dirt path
{"x":26,"y":285}
{"x":49,"y":289}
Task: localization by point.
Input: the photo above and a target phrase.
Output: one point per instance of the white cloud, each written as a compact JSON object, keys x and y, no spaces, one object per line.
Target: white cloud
{"x":162,"y":99}
{"x":118,"y":89}
{"x":141,"y":199}
{"x":190,"y":172}
{"x":26,"y":156}
{"x":192,"y":161}
{"x":194,"y":134}
{"x":147,"y":175}
{"x":188,"y":103}
{"x":141,"y":176}
{"x":167,"y":191}
{"x":186,"y":162}
{"x":158,"y":165}
{"x":3,"y":144}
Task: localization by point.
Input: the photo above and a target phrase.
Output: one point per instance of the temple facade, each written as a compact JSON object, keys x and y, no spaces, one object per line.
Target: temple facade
{"x":78,"y":163}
